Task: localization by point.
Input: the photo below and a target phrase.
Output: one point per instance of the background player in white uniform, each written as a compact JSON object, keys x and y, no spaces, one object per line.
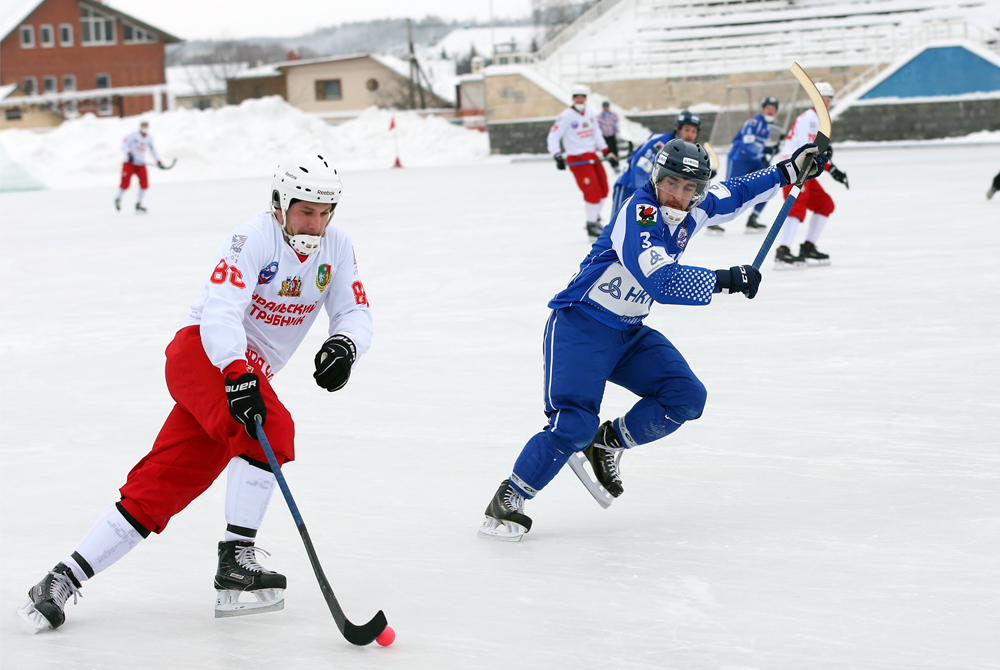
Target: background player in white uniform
{"x":578,"y":131}
{"x":134,"y":146}
{"x":270,"y":277}
{"x":812,"y":198}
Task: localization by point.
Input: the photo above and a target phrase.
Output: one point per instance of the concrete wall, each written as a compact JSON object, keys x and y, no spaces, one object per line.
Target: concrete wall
{"x":512,"y":97}
{"x":917,"y":120}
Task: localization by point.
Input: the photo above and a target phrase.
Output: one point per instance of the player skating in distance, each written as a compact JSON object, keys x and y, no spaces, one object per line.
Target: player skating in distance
{"x":269,"y":280}
{"x":575,"y":140}
{"x":750,"y":151}
{"x":134,"y":146}
{"x":687,"y":125}
{"x":595,"y":332}
{"x":813,"y":197}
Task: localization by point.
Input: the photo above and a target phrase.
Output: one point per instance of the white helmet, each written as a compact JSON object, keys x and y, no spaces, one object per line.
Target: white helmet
{"x":579,"y":89}
{"x":825,"y":89}
{"x":309,"y":177}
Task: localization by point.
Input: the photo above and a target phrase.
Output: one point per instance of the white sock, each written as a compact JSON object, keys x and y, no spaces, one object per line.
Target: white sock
{"x":788,"y":230}
{"x":593,"y":211}
{"x":108,"y":540}
{"x":816,"y":224}
{"x":142,"y":192}
{"x":248,"y":493}
{"x":121,"y":192}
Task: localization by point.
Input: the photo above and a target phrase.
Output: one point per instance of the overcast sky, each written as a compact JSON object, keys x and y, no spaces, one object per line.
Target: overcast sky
{"x":233,"y":19}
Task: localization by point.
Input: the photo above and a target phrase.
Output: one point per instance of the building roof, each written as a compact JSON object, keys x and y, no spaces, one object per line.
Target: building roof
{"x":14,"y":12}
{"x":191,"y":80}
{"x":7,"y":90}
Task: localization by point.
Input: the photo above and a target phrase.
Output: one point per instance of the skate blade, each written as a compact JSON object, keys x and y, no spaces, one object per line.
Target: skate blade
{"x":227,"y":603}
{"x":577,"y":463}
{"x":789,"y":266}
{"x":506,"y":531}
{"x":817,"y":262}
{"x":714,"y":233}
{"x":755,"y":231}
{"x":32,"y":620}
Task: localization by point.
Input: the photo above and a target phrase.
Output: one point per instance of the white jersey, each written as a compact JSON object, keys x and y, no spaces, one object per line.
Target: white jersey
{"x":579,"y":133}
{"x":134,"y":147}
{"x":803,"y":131}
{"x":261,"y":298}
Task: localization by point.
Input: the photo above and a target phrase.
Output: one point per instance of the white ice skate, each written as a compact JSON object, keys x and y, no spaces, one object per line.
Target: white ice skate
{"x":506,"y":531}
{"x":227,"y":603}
{"x":240,"y":573}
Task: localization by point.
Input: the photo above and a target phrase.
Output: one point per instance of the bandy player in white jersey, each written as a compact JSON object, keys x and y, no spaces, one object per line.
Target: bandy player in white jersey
{"x":266,"y":287}
{"x":576,"y":128}
{"x":134,"y":148}
{"x":812,"y":198}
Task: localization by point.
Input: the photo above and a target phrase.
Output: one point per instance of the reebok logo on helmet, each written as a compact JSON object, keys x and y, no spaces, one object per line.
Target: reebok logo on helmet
{"x":322,"y":192}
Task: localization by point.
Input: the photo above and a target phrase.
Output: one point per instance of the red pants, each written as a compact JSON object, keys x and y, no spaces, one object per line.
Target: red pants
{"x":128,"y":169}
{"x":199,"y":437}
{"x":590,"y":177}
{"x":812,"y":198}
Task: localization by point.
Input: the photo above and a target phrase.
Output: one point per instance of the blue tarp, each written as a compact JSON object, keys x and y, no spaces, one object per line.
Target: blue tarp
{"x":939,"y":71}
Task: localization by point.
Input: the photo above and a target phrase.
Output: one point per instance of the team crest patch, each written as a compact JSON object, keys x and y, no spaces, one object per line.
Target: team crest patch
{"x":291,"y":287}
{"x":682,"y":237}
{"x":323,"y":277}
{"x":267,"y":274}
{"x":645,"y":215}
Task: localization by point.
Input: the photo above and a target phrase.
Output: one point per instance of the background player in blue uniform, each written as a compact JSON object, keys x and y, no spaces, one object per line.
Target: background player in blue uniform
{"x":595,"y":332}
{"x":750,"y":152}
{"x":640,"y":163}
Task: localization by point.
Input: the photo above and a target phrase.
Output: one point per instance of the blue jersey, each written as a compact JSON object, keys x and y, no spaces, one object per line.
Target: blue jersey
{"x":748,"y":145}
{"x":636,"y":173}
{"x":636,"y":260}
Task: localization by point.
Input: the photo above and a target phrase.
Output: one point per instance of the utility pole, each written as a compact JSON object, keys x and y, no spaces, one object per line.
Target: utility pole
{"x":414,"y":69}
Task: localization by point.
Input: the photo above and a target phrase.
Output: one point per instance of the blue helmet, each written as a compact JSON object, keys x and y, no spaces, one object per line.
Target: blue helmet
{"x":687,"y":118}
{"x":769,"y":100}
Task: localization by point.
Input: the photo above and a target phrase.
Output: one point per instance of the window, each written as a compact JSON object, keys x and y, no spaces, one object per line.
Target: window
{"x":66,"y":34}
{"x":48,"y":84}
{"x":328,"y":89}
{"x":133,"y":35}
{"x":104,"y":104}
{"x":12,"y":113}
{"x":372,"y":85}
{"x":47,"y":36}
{"x":27,"y":37}
{"x":96,"y":29}
{"x":30,"y":85}
{"x":69,"y":84}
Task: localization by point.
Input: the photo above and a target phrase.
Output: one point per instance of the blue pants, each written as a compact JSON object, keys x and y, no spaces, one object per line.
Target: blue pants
{"x":581,"y":356}
{"x":738,"y":168}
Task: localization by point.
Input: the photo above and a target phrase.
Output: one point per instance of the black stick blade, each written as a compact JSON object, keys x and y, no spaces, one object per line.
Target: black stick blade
{"x":362,"y":635}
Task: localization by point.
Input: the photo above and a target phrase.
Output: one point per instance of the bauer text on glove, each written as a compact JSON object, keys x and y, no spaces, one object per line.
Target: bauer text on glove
{"x":244,"y":400}
{"x":334,"y":361}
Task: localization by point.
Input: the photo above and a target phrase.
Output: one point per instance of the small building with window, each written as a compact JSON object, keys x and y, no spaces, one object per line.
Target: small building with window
{"x":337,"y":86}
{"x":61,"y":46}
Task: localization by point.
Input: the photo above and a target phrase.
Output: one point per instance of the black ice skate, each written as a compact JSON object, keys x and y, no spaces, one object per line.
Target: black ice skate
{"x":139,"y":208}
{"x":813,"y":256}
{"x":784,"y":260}
{"x":603,"y":454}
{"x":594,"y":229}
{"x":715,"y":230}
{"x":239,"y":572}
{"x":118,"y":204}
{"x":44,"y":609}
{"x":505,"y":518}
{"x":753,"y":227}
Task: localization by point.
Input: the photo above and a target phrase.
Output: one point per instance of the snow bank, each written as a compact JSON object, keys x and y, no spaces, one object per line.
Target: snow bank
{"x":246,"y":140}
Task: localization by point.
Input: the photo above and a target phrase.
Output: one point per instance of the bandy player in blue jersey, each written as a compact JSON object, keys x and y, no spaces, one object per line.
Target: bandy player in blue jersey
{"x":595,"y":332}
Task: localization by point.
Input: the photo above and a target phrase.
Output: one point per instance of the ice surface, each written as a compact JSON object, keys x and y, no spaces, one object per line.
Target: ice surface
{"x":837,"y":506}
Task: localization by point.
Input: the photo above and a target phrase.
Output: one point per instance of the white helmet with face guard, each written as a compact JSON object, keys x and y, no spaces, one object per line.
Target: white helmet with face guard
{"x":308,"y":177}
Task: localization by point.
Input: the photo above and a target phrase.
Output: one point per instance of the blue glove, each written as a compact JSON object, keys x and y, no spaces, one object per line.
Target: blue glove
{"x":791,"y":168}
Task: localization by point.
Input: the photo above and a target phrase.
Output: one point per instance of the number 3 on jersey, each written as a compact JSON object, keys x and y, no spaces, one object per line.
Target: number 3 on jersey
{"x":222,"y":270}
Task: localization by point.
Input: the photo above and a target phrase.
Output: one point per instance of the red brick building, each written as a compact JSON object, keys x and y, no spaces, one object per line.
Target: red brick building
{"x":56,"y":46}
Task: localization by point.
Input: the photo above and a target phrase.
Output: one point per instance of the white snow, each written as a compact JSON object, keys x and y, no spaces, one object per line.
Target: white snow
{"x":837,"y":506}
{"x":246,"y":140}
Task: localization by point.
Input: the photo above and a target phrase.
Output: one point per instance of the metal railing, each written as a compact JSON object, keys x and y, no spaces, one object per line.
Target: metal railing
{"x":573,"y":29}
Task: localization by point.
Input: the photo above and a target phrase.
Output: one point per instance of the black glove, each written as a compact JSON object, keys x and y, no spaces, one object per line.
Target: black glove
{"x":130,"y":158}
{"x":768,"y":153}
{"x":612,"y":159}
{"x":791,"y":168}
{"x":560,"y":161}
{"x":839,"y":175}
{"x":245,"y":403}
{"x":333,"y":362}
{"x":743,"y":279}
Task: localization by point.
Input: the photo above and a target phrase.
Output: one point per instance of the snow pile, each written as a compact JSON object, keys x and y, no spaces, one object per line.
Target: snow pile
{"x":246,"y":140}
